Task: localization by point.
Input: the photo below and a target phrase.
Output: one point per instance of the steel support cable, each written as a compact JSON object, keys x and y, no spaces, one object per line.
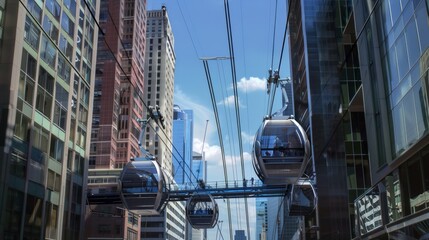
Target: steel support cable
{"x":228,"y":119}
{"x":187,"y":29}
{"x":219,"y":131}
{"x":237,"y":107}
{"x":169,"y":149}
{"x":244,"y":64}
{"x":234,"y":84}
{"x":284,"y":39}
{"x":231,"y":143}
{"x":272,"y":91}
{"x":139,"y":94}
{"x":274,"y":35}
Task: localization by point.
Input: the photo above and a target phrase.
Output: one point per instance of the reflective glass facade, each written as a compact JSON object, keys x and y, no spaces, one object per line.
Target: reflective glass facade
{"x":182,"y":140}
{"x":393,"y":51}
{"x":325,"y":74}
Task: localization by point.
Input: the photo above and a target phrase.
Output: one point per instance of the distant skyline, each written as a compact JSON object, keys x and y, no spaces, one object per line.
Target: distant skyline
{"x":199,"y":29}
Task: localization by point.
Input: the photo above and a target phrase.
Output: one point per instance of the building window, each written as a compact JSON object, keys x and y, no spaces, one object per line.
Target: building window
{"x":40,"y":138}
{"x":57,"y":149}
{"x":71,"y":6}
{"x":54,"y":181}
{"x":26,"y":88}
{"x":48,"y":52}
{"x":33,"y":216}
{"x":54,"y":8}
{"x":35,"y":9}
{"x":31,"y":33}
{"x":22,"y":126}
{"x":66,"y":47}
{"x":50,"y":28}
{"x":64,"y":69}
{"x":44,"y":92}
{"x":83,"y":115}
{"x":131,"y":234}
{"x":67,"y":25}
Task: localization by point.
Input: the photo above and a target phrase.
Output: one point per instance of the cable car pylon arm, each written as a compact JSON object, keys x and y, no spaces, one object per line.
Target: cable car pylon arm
{"x":282,"y":83}
{"x":153,"y":114}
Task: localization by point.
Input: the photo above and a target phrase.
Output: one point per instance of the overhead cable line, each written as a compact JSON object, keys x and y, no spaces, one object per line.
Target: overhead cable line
{"x":273,"y":78}
{"x":139,"y":93}
{"x":229,"y":130}
{"x":284,"y":39}
{"x":219,"y":131}
{"x":237,"y":107}
{"x":216,"y":113}
{"x":187,"y":29}
{"x":244,"y":64}
{"x":228,"y":117}
{"x":274,"y":35}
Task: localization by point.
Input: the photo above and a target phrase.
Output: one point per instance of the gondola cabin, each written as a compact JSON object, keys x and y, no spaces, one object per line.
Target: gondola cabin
{"x":142,"y":187}
{"x":202,"y":211}
{"x":280,"y":151}
{"x":302,"y":199}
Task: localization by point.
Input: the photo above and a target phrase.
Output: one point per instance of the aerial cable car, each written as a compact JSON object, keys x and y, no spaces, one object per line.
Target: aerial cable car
{"x":302,"y":199}
{"x":281,"y":149}
{"x":202,"y":211}
{"x":142,"y":182}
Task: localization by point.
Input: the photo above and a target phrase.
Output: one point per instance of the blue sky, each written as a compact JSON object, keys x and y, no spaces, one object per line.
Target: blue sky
{"x":199,"y":30}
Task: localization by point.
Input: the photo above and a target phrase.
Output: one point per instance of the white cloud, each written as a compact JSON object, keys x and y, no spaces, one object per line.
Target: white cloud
{"x":227,"y":101}
{"x":252,"y":84}
{"x":213,"y":155}
{"x":230,"y":101}
{"x":216,"y":174}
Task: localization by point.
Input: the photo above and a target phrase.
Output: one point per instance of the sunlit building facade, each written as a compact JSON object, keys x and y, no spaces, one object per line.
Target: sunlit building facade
{"x":47,"y":60}
{"x":159,"y":89}
{"x":118,"y":103}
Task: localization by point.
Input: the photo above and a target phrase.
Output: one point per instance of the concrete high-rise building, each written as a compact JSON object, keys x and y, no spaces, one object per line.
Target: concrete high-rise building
{"x":159,"y":89}
{"x":118,"y":103}
{"x":47,"y":60}
{"x":393,"y":53}
{"x":199,"y":166}
{"x":182,"y":140}
{"x":159,"y":83}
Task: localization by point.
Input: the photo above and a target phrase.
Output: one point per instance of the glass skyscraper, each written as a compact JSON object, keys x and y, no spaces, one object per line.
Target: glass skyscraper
{"x":182,"y":140}
{"x":393,"y":51}
{"x":360,"y":78}
{"x":47,"y":60}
